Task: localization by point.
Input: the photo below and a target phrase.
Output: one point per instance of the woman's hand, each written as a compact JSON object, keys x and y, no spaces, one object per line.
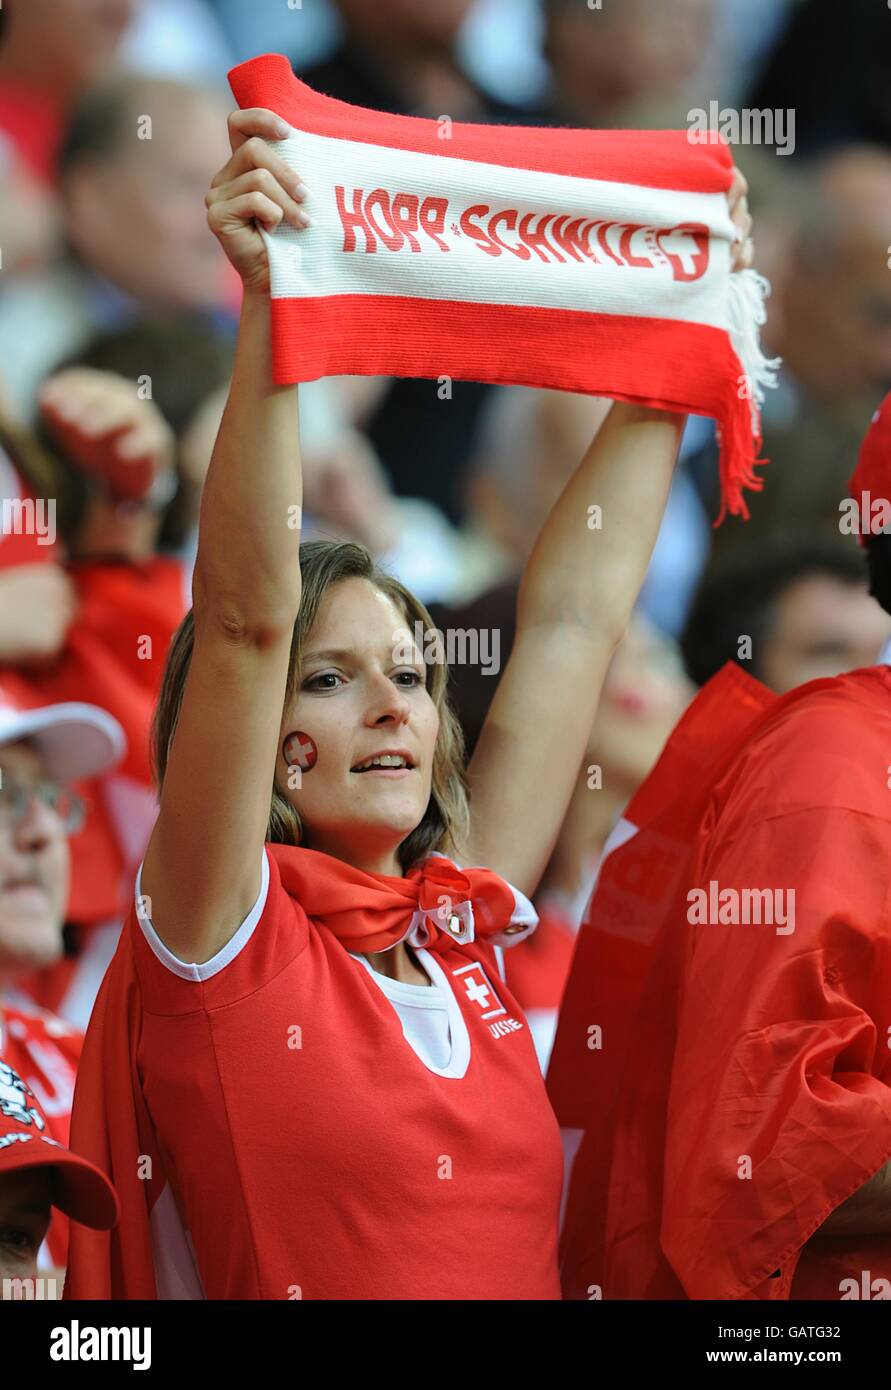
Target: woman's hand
{"x":744,"y":248}
{"x":255,"y":186}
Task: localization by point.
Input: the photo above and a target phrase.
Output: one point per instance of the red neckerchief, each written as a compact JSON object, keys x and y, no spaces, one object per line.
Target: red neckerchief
{"x":436,"y":904}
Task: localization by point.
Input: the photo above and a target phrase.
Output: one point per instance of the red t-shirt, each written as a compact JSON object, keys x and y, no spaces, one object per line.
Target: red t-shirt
{"x":313,"y":1154}
{"x":45,"y":1052}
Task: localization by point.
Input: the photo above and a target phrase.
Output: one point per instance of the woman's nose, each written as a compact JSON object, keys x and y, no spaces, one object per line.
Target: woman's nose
{"x":387,"y":703}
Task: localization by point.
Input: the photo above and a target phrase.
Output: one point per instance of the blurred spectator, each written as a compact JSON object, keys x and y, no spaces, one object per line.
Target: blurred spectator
{"x":347,"y":495}
{"x":530,"y":445}
{"x":42,"y":752}
{"x":187,"y":366}
{"x":51,"y":51}
{"x":135,"y":165}
{"x":268,"y":26}
{"x":399,"y":56}
{"x":627,"y":64}
{"x":40,"y":1178}
{"x":181,"y":364}
{"x":830,"y":321}
{"x":833,"y":69}
{"x":118,"y":603}
{"x":500,"y":47}
{"x":178,"y":38}
{"x":744,"y":32}
{"x":799,"y":603}
{"x":30,"y":225}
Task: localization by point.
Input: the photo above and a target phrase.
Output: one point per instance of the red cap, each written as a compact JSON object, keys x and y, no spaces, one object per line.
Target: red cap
{"x":79,"y":1189}
{"x":870,"y":485}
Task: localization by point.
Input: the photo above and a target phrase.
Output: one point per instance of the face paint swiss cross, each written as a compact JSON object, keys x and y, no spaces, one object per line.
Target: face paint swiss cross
{"x":300,"y":751}
{"x":474,"y":987}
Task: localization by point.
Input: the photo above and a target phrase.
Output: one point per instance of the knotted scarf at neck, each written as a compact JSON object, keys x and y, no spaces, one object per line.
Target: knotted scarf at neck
{"x":436,"y":905}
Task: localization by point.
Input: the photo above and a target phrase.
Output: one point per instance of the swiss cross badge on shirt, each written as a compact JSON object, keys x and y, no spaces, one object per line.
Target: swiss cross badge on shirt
{"x":473,"y":986}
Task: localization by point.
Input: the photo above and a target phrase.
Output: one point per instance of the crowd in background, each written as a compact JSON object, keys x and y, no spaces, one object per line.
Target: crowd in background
{"x":117,"y":318}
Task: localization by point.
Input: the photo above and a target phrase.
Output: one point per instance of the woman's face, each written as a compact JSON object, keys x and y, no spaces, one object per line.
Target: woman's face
{"x":359,"y":697}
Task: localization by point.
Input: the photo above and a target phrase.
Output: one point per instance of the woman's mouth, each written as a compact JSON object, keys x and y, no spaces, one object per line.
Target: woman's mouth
{"x":388,"y":765}
{"x":386,"y":772}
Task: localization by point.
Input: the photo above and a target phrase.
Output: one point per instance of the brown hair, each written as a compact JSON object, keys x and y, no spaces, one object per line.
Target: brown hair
{"x":323,"y":564}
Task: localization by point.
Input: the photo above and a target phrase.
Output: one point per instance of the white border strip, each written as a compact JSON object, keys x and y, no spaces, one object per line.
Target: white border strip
{"x":206,"y":969}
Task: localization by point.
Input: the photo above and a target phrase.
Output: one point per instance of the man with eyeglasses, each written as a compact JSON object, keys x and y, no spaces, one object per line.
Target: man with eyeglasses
{"x":42,"y":752}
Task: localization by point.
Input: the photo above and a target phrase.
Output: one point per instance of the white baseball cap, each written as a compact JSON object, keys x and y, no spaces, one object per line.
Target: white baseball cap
{"x":74,"y":740}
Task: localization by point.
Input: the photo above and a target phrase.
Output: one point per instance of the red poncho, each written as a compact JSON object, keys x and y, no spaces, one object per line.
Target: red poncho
{"x":740,"y":1088}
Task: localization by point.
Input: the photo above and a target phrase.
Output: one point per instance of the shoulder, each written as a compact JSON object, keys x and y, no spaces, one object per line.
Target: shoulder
{"x":274,"y":932}
{"x":827,"y":744}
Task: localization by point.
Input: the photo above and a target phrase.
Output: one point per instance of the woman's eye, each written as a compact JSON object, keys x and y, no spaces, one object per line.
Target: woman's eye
{"x":332,"y":680}
{"x":325,"y":680}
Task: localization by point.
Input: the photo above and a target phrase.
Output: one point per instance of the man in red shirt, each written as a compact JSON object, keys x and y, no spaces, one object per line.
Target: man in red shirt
{"x":41,"y":752}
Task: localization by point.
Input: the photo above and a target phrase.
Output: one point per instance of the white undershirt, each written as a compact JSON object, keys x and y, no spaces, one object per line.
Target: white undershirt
{"x":424,"y":1014}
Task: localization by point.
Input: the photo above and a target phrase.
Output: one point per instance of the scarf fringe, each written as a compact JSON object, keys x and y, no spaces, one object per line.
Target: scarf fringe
{"x":739,"y":432}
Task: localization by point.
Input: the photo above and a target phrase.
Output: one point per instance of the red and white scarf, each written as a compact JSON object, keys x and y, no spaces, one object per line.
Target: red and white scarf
{"x":593,"y":261}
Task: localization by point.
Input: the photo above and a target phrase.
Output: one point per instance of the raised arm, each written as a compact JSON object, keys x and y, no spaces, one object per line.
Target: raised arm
{"x":576,"y":597}
{"x":203,"y":865}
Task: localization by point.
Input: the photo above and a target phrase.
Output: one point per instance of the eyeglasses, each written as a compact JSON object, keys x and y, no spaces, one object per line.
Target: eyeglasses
{"x":16,"y":798}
